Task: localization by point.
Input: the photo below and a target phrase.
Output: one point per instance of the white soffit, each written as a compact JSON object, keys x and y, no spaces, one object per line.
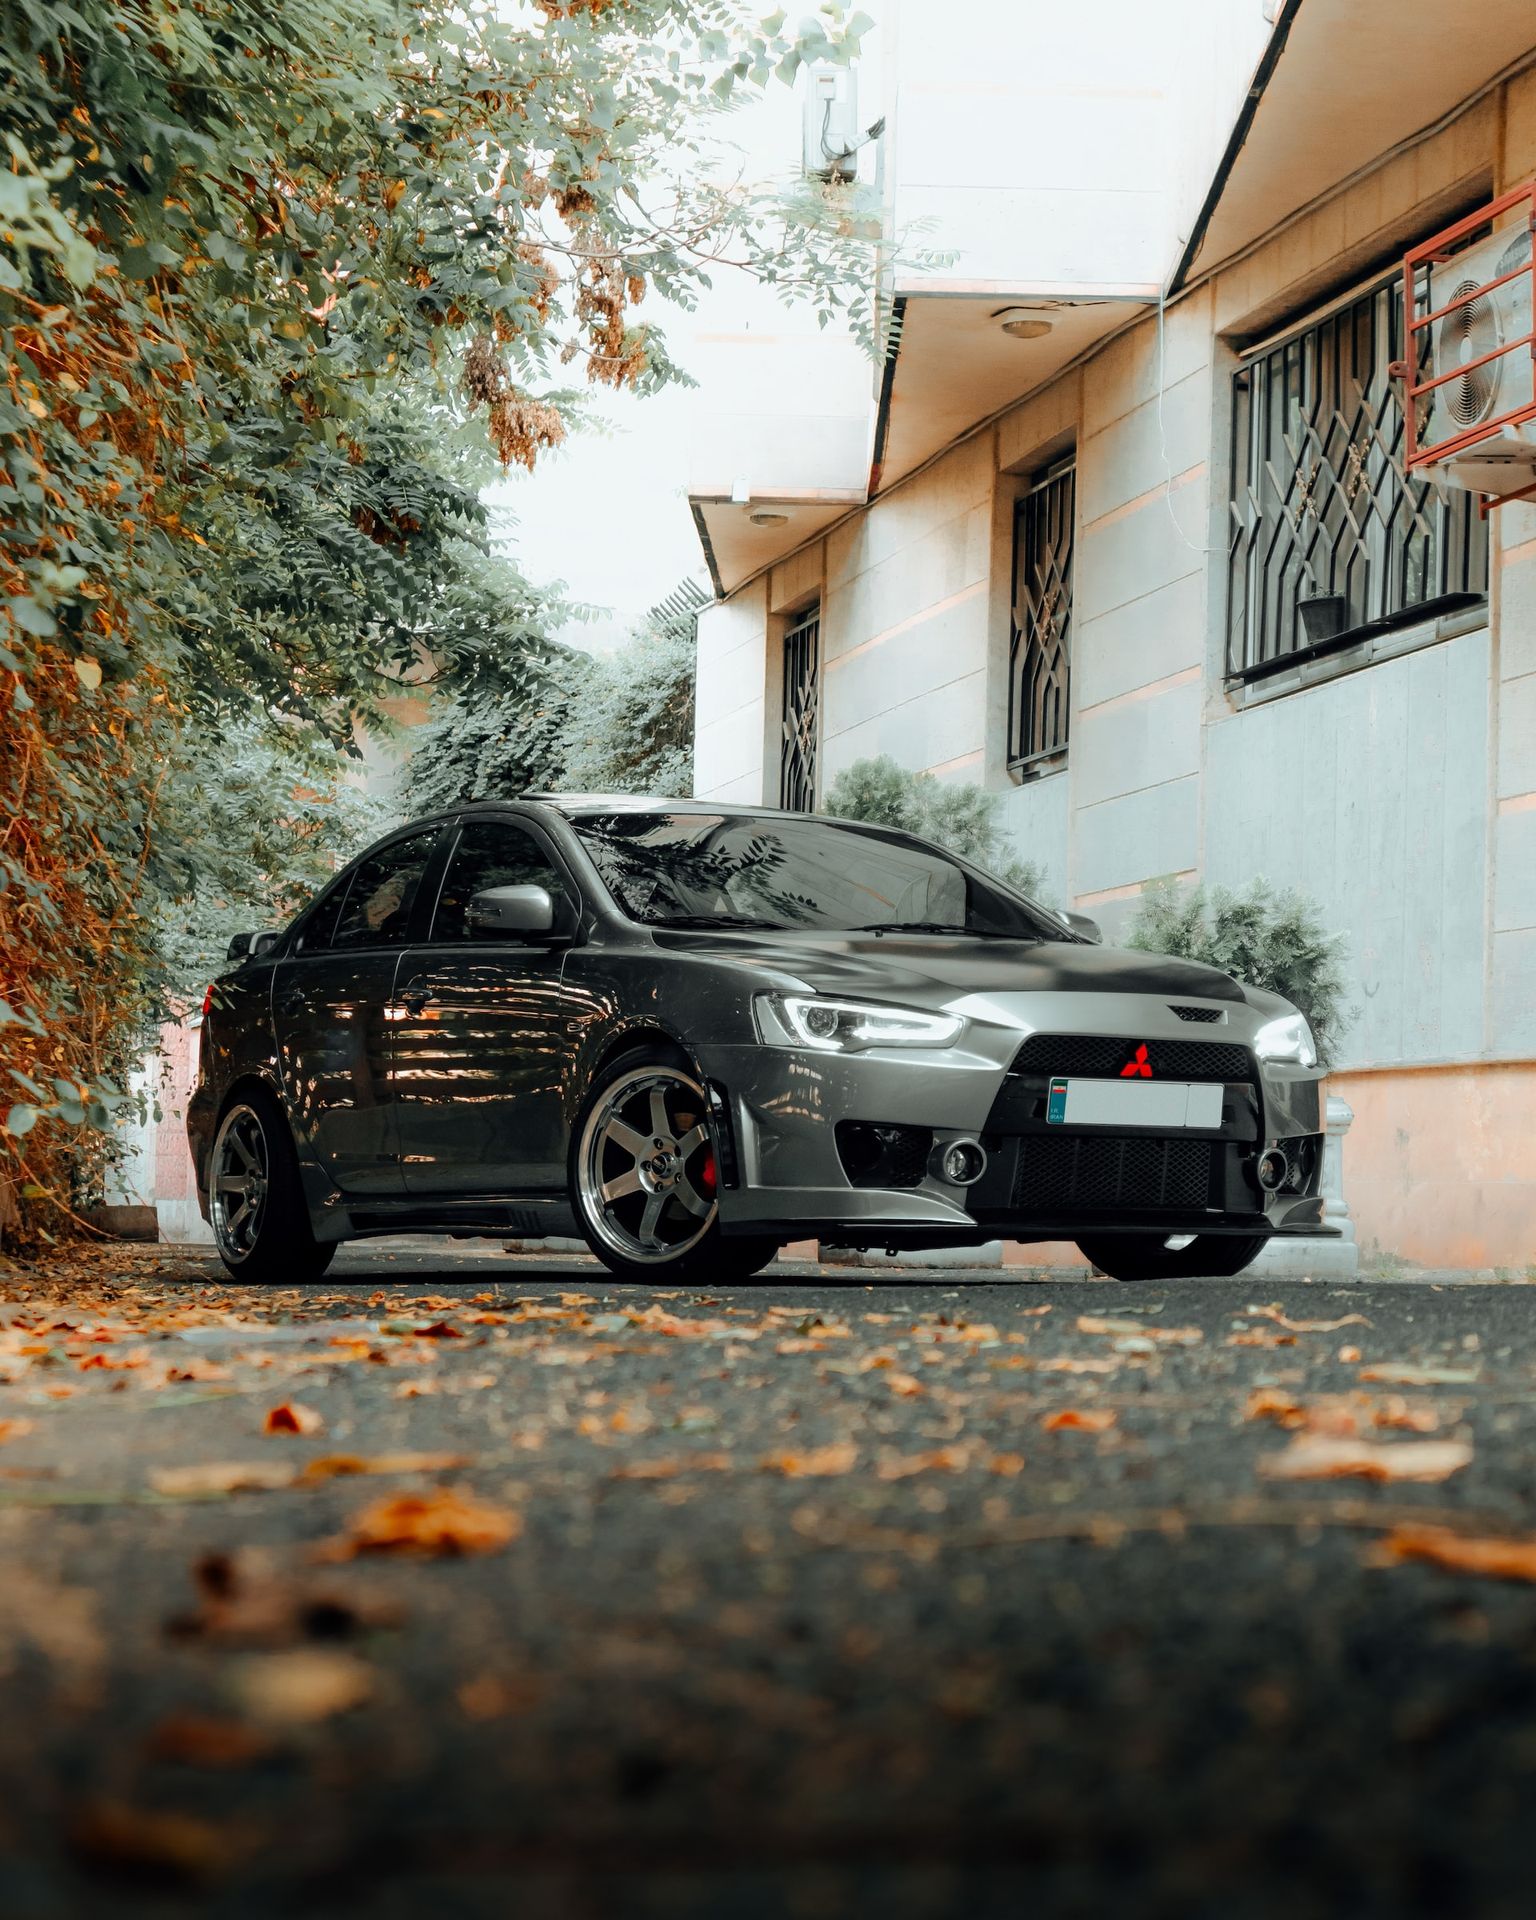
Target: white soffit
{"x":1351,"y":80}
{"x":957,"y":367}
{"x":736,"y":548}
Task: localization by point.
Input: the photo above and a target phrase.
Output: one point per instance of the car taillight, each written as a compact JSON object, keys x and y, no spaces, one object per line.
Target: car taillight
{"x":207,"y":999}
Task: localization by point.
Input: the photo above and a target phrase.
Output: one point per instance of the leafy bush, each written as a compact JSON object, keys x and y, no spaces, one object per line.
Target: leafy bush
{"x":958,"y":815}
{"x":1264,"y":936}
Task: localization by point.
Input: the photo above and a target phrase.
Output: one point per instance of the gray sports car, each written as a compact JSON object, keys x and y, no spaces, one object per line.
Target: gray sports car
{"x":693,"y":1033}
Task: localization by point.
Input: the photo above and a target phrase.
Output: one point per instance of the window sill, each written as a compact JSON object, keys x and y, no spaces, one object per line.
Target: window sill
{"x":1024,"y":772}
{"x":1369,"y":648}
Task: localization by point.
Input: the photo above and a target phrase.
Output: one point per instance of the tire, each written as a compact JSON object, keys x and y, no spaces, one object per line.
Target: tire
{"x":268,"y":1237}
{"x":642,"y":1176}
{"x":1148,"y":1256}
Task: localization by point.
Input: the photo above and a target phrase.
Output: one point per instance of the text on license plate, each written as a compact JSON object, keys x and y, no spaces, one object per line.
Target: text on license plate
{"x":1163,"y":1104}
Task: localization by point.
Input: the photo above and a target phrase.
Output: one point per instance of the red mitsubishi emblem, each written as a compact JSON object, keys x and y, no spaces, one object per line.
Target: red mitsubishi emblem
{"x":1139,"y":1067}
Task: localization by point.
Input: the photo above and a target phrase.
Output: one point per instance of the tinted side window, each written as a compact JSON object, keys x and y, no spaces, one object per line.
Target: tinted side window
{"x":383,"y":891}
{"x":321,"y":924}
{"x":491,"y":853}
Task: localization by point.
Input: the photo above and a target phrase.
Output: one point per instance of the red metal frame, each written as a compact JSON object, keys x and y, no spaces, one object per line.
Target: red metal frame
{"x":1430,"y":253}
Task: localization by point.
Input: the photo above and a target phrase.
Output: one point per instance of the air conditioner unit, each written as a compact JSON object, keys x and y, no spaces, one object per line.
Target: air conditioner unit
{"x":1482,"y":340}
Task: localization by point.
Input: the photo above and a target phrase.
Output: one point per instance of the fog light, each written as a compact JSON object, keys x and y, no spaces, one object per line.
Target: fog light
{"x":962,"y":1163}
{"x":1272,"y":1168}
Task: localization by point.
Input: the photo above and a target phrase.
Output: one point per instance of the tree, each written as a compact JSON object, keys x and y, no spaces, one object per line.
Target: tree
{"x":1270,"y":939}
{"x":277,"y":279}
{"x":958,"y":815}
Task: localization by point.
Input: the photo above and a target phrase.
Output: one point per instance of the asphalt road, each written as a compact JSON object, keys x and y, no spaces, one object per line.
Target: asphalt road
{"x":830,"y":1595}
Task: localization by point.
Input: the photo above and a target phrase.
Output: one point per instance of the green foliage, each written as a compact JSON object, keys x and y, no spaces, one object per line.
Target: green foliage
{"x":1268,"y":938}
{"x":616,"y":723}
{"x":278,"y":280}
{"x":958,"y":815}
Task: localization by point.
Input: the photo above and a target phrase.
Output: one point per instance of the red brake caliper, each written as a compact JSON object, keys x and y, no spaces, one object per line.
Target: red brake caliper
{"x":707,"y":1171}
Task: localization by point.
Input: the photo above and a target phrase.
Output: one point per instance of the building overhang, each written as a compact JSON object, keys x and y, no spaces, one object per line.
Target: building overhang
{"x":1334,"y":94}
{"x":954,"y":366}
{"x":741,"y":538}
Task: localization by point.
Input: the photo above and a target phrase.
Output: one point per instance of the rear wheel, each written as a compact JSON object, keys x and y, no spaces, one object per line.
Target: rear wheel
{"x":256,"y":1199}
{"x":1152,"y":1256}
{"x":643,"y":1177}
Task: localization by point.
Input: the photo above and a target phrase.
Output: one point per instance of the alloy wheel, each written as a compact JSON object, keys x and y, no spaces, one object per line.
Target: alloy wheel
{"x":240,"y":1182}
{"x":646,"y":1170}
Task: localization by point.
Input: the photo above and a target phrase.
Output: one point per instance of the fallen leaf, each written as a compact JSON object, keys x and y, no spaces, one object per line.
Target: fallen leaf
{"x":201,"y":1740}
{"x":1338,"y":1459}
{"x":1007,"y":1464}
{"x":15,"y":1429}
{"x":1032,"y":1313}
{"x":442,"y":1524}
{"x":1493,"y":1557}
{"x":146,"y":1844}
{"x":1259,"y":1338}
{"x":1405,"y":1374}
{"x":815,"y":1463}
{"x":1277,"y":1313}
{"x":1076,"y":1419}
{"x":440,"y":1329}
{"x":210,"y":1477}
{"x":290,"y":1417}
{"x":1172,"y":1336}
{"x":941,"y":1460}
{"x":1349,"y":1355}
{"x":671,"y":1467}
{"x":1078,"y":1366}
{"x":905,"y":1386}
{"x":414,"y":1389}
{"x":336,"y":1466}
{"x":1271,"y":1403}
{"x":302,"y":1687}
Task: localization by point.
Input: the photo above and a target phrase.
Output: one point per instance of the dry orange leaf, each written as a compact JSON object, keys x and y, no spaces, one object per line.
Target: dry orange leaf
{"x":941,"y":1460}
{"x":671,"y":1467}
{"x":1349,"y":1355}
{"x":302,"y":1687}
{"x":1276,"y":1313}
{"x":1007,"y":1464}
{"x":442,"y":1524}
{"x":211,"y":1477}
{"x":1077,"y":1419}
{"x":815,"y":1462}
{"x":1078,"y":1366}
{"x":1493,"y":1557}
{"x":1259,"y":1338}
{"x":15,"y":1429}
{"x":905,"y":1386}
{"x":289,"y":1417}
{"x":1343,"y":1459}
{"x":1165,"y":1336}
{"x":335,"y":1466}
{"x":1270,"y":1403}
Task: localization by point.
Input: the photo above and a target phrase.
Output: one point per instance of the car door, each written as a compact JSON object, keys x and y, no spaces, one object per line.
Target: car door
{"x":332,"y":1016}
{"x":482,"y":1031}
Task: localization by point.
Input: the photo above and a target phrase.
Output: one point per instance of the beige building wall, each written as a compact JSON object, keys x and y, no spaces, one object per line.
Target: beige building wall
{"x":1401,"y":794}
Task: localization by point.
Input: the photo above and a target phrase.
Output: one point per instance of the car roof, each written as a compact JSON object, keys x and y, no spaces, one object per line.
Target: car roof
{"x":573,"y":803}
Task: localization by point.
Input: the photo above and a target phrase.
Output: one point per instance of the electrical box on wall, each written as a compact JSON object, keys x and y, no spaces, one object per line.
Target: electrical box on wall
{"x":832,"y":136}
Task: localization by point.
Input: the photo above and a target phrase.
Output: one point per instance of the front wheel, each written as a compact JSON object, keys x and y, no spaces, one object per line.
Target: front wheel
{"x":644,"y":1179}
{"x":256,"y":1198}
{"x":1152,"y":1256}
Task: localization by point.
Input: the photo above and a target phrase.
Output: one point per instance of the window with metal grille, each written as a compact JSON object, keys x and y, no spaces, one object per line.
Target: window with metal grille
{"x":1329,"y":533}
{"x":802,"y":695}
{"x":1040,"y":652}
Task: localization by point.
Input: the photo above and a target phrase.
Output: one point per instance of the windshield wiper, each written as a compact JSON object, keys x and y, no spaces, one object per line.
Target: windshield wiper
{"x":943,"y":926}
{"x":727,"y":920}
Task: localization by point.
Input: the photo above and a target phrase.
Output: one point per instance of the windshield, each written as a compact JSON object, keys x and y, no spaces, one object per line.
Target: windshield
{"x":734,"y":870}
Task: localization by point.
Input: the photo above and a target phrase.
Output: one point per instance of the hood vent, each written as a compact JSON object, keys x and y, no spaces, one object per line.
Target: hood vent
{"x":1198,"y":1013}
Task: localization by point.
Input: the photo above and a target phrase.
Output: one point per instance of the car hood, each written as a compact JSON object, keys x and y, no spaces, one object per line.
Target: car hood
{"x":930,"y":969}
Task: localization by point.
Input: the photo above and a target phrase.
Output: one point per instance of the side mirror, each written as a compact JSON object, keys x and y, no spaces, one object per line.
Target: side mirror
{"x":246,"y":946}
{"x":1085,"y":927}
{"x":522,"y":912}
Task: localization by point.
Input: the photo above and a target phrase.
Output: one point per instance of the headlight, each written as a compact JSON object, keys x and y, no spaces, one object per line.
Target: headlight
{"x":1287,"y":1039}
{"x":848,"y":1026}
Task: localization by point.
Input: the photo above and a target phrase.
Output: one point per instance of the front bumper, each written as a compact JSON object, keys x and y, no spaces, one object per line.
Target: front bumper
{"x":787,"y":1179}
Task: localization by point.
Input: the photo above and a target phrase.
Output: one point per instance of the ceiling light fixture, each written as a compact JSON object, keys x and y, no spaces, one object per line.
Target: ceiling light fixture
{"x":1023,"y":323}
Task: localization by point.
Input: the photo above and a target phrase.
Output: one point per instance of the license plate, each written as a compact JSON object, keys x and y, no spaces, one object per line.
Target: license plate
{"x":1166,"y":1105}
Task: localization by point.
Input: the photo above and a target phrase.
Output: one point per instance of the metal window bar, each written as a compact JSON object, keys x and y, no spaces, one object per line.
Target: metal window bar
{"x":1040,"y":648}
{"x":801,"y":706}
{"x":1329,"y":531}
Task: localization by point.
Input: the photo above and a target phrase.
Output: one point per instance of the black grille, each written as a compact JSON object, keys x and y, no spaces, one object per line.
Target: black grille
{"x":1103,"y":1172}
{"x":1093,"y":1056}
{"x":1197,"y":1013}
